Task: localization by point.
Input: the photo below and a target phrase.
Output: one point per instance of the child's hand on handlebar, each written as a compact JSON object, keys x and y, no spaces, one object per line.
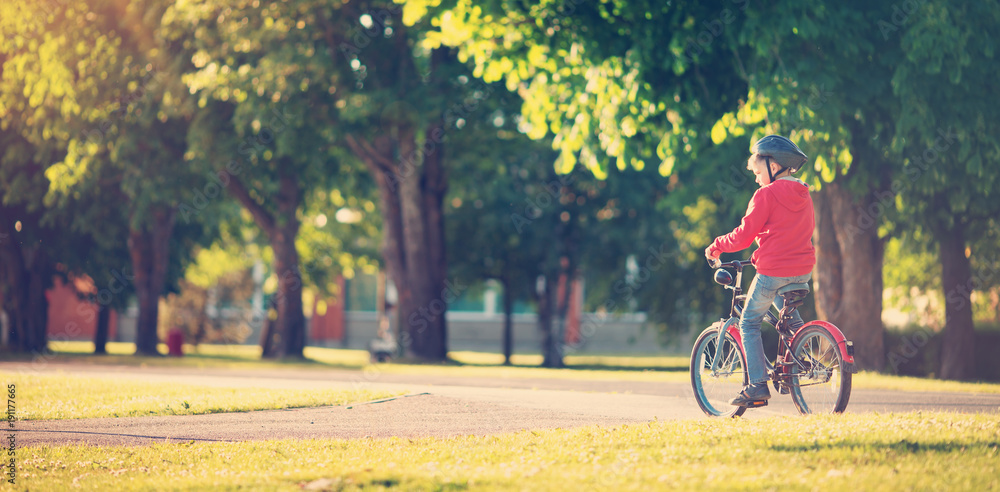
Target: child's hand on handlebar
{"x":712,"y":257}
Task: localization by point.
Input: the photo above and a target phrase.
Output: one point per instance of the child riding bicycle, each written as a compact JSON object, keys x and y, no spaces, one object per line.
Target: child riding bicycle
{"x":780,"y":218}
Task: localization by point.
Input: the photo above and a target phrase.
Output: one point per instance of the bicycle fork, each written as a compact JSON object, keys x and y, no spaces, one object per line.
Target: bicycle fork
{"x":724,"y":327}
{"x":719,"y":340}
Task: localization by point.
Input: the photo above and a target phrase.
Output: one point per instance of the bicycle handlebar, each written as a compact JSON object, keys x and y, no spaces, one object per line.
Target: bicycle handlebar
{"x":737,"y":264}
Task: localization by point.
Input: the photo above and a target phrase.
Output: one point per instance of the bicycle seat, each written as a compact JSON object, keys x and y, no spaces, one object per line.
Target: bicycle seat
{"x":794,"y":291}
{"x":793,"y":294}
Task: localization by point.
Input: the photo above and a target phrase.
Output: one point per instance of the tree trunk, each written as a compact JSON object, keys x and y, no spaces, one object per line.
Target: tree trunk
{"x":145,"y":329}
{"x":286,"y":336}
{"x":958,"y":347}
{"x":38,"y":305}
{"x":384,"y":170}
{"x":291,"y":320}
{"x":101,"y":330}
{"x":544,"y":301}
{"x":150,"y":252}
{"x":435,"y":185}
{"x":827,"y":279}
{"x":849,"y":272}
{"x":426,"y":323}
{"x":508,"y":328}
{"x":412,"y":183}
{"x":411,"y":196}
{"x":268,"y":333}
{"x":26,"y":270}
{"x":548,"y":310}
{"x":393,"y":247}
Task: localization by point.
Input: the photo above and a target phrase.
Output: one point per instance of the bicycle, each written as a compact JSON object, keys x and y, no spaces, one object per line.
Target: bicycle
{"x":814,"y":362}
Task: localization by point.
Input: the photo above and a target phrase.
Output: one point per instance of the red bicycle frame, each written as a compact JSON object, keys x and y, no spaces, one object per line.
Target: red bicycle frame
{"x":846,"y":348}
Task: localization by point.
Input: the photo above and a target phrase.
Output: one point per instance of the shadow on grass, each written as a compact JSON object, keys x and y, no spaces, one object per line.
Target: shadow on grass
{"x":903,"y":446}
{"x":360,"y":481}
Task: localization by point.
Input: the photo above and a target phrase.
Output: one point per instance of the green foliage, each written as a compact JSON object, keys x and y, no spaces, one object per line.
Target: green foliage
{"x":945,"y":134}
{"x":912,"y":276}
{"x":339,"y":236}
{"x":278,"y":84}
{"x":130,"y":102}
{"x":102,"y":130}
{"x":596,"y":76}
{"x":490,"y":233}
{"x":146,"y":102}
{"x":263,"y":84}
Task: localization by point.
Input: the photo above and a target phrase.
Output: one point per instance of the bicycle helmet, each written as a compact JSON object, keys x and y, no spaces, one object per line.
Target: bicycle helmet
{"x":782,"y":151}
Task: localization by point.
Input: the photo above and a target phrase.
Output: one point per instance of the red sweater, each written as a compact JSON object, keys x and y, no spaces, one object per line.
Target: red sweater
{"x":780,"y":217}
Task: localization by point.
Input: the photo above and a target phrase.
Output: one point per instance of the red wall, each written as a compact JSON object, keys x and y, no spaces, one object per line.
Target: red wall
{"x":73,"y":319}
{"x":330,"y":325}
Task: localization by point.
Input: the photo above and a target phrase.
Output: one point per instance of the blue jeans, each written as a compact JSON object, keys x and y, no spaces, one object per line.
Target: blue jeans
{"x":763,"y":292}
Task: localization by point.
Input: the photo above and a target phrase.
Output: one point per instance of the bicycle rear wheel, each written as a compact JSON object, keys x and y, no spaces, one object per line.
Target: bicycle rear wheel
{"x":714,"y":387}
{"x":824,"y":384}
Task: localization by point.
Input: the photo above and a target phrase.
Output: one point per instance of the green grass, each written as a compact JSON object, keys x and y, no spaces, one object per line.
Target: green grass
{"x":462,"y":364}
{"x":874,"y":380}
{"x":60,"y":396}
{"x":201,"y":356}
{"x":928,"y":451}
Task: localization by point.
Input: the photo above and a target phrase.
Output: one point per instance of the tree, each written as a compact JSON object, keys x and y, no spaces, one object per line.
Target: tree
{"x":33,"y":134}
{"x":113,"y":119}
{"x":266,"y":87}
{"x":948,"y":139}
{"x":349,"y":77}
{"x":493,"y":231}
{"x":513,"y":219}
{"x":28,"y":247}
{"x":406,"y":156}
{"x":100,"y":253}
{"x":596,"y":76}
{"x":27,"y":266}
{"x":602,"y":80}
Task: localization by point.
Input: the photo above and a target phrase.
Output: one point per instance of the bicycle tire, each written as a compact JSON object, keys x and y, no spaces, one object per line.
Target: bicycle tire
{"x":714,"y":389}
{"x":825,"y":387}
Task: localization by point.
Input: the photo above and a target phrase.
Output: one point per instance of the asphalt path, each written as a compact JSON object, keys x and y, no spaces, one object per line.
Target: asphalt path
{"x":431,"y":406}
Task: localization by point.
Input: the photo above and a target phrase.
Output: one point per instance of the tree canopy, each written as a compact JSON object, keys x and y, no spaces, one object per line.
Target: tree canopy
{"x":420,"y":137}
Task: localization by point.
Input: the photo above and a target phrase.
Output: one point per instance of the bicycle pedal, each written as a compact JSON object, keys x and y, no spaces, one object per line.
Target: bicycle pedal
{"x":757,"y":404}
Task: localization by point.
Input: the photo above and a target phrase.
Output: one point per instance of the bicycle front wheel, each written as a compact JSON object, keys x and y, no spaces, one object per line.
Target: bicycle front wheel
{"x":715,"y":386}
{"x":823,"y":385}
